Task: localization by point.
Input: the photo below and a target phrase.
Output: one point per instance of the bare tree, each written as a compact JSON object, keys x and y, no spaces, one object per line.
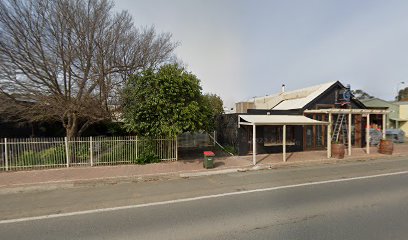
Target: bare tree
{"x":67,"y":60}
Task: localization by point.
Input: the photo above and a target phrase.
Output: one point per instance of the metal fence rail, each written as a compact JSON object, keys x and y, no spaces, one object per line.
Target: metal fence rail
{"x":29,"y":153}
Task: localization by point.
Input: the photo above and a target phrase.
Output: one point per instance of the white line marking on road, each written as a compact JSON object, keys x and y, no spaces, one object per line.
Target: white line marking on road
{"x":196,"y":198}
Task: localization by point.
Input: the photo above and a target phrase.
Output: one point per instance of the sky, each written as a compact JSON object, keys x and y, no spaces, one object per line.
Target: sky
{"x":242,"y":49}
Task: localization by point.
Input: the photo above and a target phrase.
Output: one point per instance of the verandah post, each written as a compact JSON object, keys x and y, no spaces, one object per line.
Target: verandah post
{"x":349,"y":133}
{"x":329,"y":130}
{"x":254,"y":144}
{"x":368,"y":134}
{"x":284,"y":143}
{"x":384,"y":128}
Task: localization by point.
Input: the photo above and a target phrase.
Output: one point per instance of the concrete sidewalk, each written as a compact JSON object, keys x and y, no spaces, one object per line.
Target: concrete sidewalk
{"x":321,"y":156}
{"x":85,"y":174}
{"x":183,"y":168}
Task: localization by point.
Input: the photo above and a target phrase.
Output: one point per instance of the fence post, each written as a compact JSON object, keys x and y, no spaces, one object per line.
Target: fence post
{"x":137,"y":143}
{"x":91,"y":150}
{"x":215,"y":137}
{"x":6,"y":154}
{"x":176,"y":149}
{"x":67,"y":151}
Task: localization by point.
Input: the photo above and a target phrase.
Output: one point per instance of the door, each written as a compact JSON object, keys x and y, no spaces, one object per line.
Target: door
{"x":358,"y":130}
{"x":249,"y":137}
{"x":308,"y":138}
{"x":314,"y":136}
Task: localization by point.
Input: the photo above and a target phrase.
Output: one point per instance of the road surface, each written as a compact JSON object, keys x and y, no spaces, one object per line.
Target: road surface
{"x":361,"y":200}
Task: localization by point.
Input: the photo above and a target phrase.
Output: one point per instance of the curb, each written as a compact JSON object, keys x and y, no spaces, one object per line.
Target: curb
{"x":211,"y":172}
{"x":331,"y":161}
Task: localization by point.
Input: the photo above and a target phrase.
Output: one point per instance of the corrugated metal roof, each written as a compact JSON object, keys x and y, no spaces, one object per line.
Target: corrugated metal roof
{"x":296,"y":99}
{"x":309,"y":95}
{"x":292,"y":104}
{"x":377,"y":102}
{"x":280,"y":120}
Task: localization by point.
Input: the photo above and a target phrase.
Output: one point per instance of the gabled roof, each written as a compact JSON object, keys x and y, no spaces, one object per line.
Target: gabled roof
{"x":296,"y":99}
{"x":401,"y":103}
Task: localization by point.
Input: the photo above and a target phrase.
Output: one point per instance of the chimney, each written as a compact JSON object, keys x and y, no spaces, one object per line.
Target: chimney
{"x":283,"y":88}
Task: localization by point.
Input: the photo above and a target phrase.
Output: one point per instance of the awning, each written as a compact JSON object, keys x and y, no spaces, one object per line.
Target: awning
{"x":399,"y":119}
{"x":278,"y":120}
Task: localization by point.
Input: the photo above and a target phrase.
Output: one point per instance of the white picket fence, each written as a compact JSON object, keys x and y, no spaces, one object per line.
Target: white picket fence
{"x":37,"y":153}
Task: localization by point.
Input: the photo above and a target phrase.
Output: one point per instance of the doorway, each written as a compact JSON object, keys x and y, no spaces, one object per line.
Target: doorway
{"x":314,"y":136}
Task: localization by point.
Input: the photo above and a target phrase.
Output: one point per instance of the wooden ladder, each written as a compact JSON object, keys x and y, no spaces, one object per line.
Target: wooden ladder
{"x":340,"y":126}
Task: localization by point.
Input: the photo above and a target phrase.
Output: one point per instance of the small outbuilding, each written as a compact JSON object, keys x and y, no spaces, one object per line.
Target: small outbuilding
{"x":301,"y":120}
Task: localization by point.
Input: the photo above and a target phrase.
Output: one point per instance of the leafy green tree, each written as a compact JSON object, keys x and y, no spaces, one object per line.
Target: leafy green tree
{"x":360,"y":94}
{"x":164,"y":102}
{"x":402,"y":95}
{"x":212,"y":108}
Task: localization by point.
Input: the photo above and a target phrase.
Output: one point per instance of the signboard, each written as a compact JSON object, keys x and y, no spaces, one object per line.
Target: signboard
{"x":343,"y":96}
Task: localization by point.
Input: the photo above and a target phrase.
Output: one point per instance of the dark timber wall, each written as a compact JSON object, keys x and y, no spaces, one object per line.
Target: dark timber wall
{"x":241,"y":137}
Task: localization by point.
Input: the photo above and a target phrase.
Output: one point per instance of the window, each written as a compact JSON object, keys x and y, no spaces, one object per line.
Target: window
{"x":273,"y":135}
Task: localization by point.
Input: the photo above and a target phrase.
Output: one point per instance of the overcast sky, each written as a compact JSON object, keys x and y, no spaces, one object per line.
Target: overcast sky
{"x":242,"y":49}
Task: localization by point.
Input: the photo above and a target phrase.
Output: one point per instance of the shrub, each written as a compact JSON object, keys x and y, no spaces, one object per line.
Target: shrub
{"x":117,"y":153}
{"x":28,"y":158}
{"x":230,"y":149}
{"x":49,"y":156}
{"x":55,"y":155}
{"x":147,"y":153}
{"x":227,"y":149}
{"x":125,"y":152}
{"x":79,"y":152}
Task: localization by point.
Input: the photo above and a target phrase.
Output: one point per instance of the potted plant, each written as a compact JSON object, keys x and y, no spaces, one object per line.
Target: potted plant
{"x":386,"y":146}
{"x":337,"y":150}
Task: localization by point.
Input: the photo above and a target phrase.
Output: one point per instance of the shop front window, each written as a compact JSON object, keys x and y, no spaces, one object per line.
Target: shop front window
{"x":273,"y":135}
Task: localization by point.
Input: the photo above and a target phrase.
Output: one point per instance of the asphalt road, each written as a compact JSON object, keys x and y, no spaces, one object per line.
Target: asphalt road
{"x":317,"y":202}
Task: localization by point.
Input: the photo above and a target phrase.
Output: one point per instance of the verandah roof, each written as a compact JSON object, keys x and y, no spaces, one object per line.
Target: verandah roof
{"x":278,"y":120}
